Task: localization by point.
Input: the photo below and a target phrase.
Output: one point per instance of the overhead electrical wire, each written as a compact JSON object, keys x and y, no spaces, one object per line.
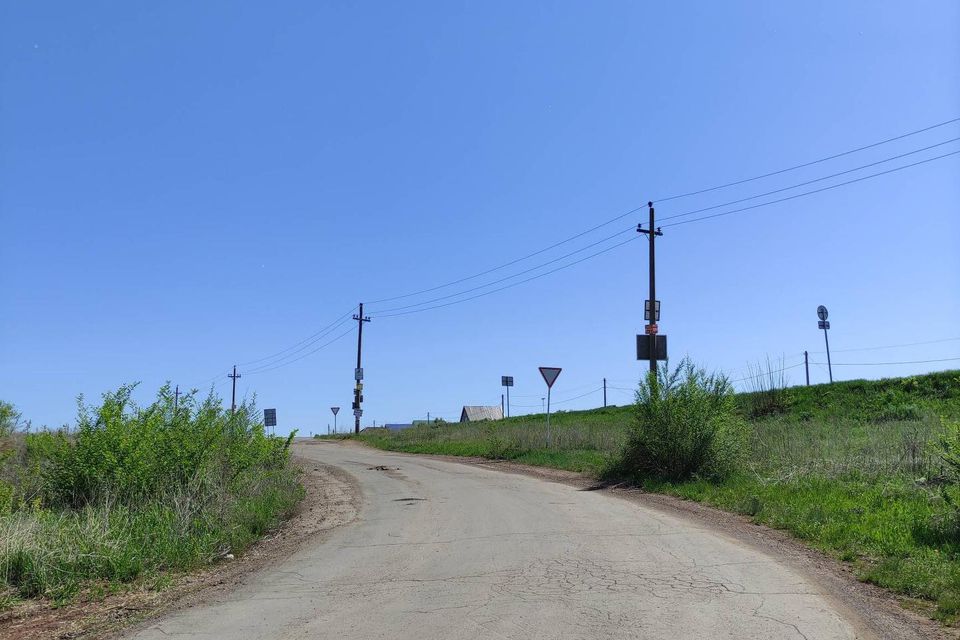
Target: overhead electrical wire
{"x":288,"y":358}
{"x":510,"y":277}
{"x":666,"y":199}
{"x":809,"y":182}
{"x":808,"y":193}
{"x":811,"y":163}
{"x":890,"y":346}
{"x":301,"y":357}
{"x":514,"y":284}
{"x":877,"y":364}
{"x":283,"y":355}
{"x":403,"y":311}
{"x":309,"y":339}
{"x":564,"y":401}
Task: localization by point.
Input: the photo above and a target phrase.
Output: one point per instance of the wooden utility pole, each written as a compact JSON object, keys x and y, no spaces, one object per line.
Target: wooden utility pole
{"x":358,"y":374}
{"x":652,"y":232}
{"x":233,"y":395}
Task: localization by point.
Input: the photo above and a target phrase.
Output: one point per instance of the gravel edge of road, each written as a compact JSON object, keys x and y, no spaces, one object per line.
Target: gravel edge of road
{"x":879,"y":612}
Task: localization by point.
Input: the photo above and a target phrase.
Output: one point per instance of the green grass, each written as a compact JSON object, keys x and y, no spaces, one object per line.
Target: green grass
{"x":848,"y":468}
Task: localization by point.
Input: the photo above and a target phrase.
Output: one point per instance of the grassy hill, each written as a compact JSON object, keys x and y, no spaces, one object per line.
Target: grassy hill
{"x":850,"y":468}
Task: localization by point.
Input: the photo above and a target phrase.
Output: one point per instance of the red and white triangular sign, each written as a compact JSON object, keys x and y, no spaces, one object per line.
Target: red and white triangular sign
{"x":550,"y":374}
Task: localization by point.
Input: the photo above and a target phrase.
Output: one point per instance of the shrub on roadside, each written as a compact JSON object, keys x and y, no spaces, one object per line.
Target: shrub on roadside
{"x":686,"y":425}
{"x":132,"y":491}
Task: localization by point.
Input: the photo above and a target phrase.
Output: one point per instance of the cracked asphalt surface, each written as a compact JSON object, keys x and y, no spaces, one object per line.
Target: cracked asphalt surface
{"x":442,"y":550}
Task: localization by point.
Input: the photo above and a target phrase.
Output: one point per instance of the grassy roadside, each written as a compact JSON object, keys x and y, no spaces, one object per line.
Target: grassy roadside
{"x":131,"y":493}
{"x":849,"y":468}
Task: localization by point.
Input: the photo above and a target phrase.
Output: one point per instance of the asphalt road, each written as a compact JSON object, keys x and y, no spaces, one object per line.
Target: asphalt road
{"x":442,"y":550}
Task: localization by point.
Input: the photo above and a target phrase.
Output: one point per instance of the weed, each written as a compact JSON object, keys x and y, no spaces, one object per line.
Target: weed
{"x":135,"y":491}
{"x":686,"y":425}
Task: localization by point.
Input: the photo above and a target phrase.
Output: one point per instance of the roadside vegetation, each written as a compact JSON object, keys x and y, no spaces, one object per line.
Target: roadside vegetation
{"x":867,"y":471}
{"x":131,"y":492}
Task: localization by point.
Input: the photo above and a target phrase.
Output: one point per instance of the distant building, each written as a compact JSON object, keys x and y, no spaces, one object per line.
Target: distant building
{"x":476,"y":414}
{"x":397,"y":427}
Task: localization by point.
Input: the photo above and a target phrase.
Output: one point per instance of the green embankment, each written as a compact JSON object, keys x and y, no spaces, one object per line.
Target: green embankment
{"x":850,"y":468}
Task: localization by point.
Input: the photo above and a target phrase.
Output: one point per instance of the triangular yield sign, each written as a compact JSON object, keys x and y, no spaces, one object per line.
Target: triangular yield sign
{"x":550,"y":374}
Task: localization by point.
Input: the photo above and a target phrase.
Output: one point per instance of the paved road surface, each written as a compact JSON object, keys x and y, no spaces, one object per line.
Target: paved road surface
{"x":447,"y":551}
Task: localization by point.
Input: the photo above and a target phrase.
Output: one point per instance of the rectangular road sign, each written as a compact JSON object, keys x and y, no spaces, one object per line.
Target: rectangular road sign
{"x":823,"y":324}
{"x":643,"y":347}
{"x":269,"y":417}
{"x":651,"y":329}
{"x":550,"y":375}
{"x":506,"y":381}
{"x":358,"y":412}
{"x":358,"y":374}
{"x":646,"y":310}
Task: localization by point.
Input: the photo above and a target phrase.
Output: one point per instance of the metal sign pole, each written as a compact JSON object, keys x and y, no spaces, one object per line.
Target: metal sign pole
{"x":548,"y":417}
{"x":824,"y":324}
{"x":829,"y":366}
{"x":549,"y":376}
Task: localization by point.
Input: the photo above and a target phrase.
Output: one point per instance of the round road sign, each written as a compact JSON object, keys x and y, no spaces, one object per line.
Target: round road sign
{"x":822,"y":312}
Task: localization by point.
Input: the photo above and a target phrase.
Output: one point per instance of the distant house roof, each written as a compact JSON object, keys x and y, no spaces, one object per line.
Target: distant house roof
{"x":475,"y":414}
{"x":397,"y":427}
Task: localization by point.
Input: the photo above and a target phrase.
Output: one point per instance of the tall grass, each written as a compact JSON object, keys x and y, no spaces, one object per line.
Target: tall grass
{"x":136,"y":490}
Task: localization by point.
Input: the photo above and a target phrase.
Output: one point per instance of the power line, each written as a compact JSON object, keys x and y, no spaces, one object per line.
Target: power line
{"x":311,"y":338}
{"x":766,"y":373}
{"x":808,"y":182}
{"x":400,"y":310}
{"x":891,"y":346}
{"x":486,"y":293}
{"x":510,"y":277}
{"x":309,"y":353}
{"x":582,"y":395}
{"x":663,"y":199}
{"x":280,"y":361}
{"x":809,"y":164}
{"x":807,"y":193}
{"x":877,"y":364}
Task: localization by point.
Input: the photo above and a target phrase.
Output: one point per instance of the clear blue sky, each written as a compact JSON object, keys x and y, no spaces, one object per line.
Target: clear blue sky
{"x":185,"y":186}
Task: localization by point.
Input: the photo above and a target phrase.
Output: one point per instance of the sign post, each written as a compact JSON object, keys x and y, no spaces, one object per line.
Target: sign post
{"x":549,"y":376}
{"x":335,"y":410}
{"x":823,"y":314}
{"x":270,"y":418}
{"x":507,"y":381}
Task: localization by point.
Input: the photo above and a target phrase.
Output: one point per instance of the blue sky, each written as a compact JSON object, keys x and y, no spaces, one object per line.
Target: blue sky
{"x":188,"y":186}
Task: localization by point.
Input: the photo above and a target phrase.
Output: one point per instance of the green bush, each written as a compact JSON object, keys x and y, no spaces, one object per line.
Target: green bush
{"x":132,"y":491}
{"x":686,"y":425}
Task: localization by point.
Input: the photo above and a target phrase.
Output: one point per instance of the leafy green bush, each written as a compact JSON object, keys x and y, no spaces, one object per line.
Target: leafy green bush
{"x":686,"y":425}
{"x":136,"y":490}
